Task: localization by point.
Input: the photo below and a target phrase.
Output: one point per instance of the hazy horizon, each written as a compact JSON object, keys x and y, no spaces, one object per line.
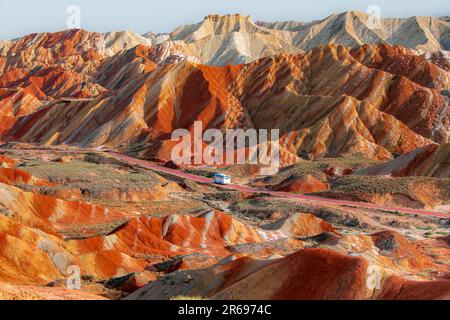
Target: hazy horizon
{"x":23,"y":17}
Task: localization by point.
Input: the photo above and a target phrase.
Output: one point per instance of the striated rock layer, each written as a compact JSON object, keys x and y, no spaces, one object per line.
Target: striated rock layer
{"x":211,"y":254}
{"x":430,"y":161}
{"x":330,"y":101}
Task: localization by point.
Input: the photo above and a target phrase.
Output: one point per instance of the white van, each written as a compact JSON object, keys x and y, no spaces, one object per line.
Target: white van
{"x":221,"y":179}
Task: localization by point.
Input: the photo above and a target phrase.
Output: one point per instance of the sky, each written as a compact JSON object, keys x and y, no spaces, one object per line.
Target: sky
{"x":21,"y":17}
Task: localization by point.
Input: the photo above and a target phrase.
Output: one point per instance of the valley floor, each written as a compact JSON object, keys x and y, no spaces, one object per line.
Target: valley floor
{"x":140,"y":230}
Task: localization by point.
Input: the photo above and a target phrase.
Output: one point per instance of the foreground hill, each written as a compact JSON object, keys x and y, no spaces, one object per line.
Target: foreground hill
{"x":324,"y":254}
{"x":234,"y":39}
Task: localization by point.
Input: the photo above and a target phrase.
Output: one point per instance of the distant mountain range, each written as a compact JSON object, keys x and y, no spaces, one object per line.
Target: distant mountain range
{"x":237,"y":39}
{"x":233,"y":39}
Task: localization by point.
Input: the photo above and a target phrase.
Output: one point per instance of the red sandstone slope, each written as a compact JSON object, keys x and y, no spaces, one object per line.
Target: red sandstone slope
{"x":403,"y":62}
{"x":10,"y":292}
{"x":79,"y":50}
{"x":224,"y":255}
{"x":308,"y":274}
{"x":431,"y":161}
{"x":305,"y":275}
{"x":93,"y":90}
{"x":307,"y":184}
{"x":372,"y":111}
{"x":317,"y":274}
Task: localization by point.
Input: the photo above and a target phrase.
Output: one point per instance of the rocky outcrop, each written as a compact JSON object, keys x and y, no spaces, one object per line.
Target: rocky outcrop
{"x":307,"y":184}
{"x":373,"y":112}
{"x":429,"y":161}
{"x":356,"y":28}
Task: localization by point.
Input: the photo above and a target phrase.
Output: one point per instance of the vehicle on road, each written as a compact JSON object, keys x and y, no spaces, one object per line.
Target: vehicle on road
{"x":222,"y":179}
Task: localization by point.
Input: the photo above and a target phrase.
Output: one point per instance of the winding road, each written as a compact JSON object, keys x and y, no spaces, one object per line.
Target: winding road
{"x":319,"y":200}
{"x":203,"y":180}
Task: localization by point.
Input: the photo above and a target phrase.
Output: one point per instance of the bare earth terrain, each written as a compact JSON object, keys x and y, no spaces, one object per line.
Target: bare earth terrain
{"x":360,"y":208}
{"x":211,"y":241}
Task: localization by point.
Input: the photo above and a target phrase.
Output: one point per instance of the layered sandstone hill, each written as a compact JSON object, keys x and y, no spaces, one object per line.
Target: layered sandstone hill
{"x":430,"y":161}
{"x":210,"y":254}
{"x":356,"y":28}
{"x":234,"y":39}
{"x":11,"y":292}
{"x":298,"y":277}
{"x":326,"y":90}
{"x":130,"y":92}
{"x":309,"y":274}
{"x":330,"y":101}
